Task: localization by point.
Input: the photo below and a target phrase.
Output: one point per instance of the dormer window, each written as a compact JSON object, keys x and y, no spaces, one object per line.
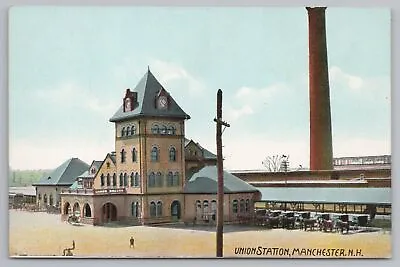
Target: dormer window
{"x":128,"y":104}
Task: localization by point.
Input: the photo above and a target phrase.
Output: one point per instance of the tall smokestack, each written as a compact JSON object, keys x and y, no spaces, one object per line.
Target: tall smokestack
{"x":320,"y":108}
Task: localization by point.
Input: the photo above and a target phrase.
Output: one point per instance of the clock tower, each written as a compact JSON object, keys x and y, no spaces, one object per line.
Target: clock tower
{"x":149,"y":142}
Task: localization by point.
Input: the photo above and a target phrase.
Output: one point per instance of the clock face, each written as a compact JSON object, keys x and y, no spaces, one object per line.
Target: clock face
{"x":162,"y":102}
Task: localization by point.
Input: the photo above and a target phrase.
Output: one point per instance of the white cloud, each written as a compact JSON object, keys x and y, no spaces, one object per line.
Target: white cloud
{"x":72,"y":95}
{"x":259,"y":94}
{"x":233,"y":114}
{"x":250,"y":100}
{"x":337,"y":75}
{"x":174,"y":76}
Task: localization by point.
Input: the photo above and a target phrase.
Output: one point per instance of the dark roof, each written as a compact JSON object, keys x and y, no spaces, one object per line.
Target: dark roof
{"x":113,"y":157}
{"x":205,"y":181}
{"x":87,"y":173}
{"x":206,"y":153}
{"x":97,"y":164}
{"x":147,"y":89}
{"x":368,"y":195}
{"x":65,"y":174}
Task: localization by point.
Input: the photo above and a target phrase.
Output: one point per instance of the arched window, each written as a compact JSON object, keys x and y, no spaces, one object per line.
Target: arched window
{"x":121,"y":179}
{"x":172,"y":154}
{"x":205,"y":207}
{"x":45,"y":199}
{"x":134,"y":155}
{"x":102,"y":179}
{"x":137,"y":179}
{"x":87,"y":211}
{"x":242,"y":206}
{"x":128,"y":130}
{"x":125,"y":179}
{"x":213,"y":206}
{"x":155,"y":129}
{"x":108,"y":179}
{"x":235,"y":206}
{"x":154,"y":154}
{"x":176,"y":179}
{"x":123,"y":131}
{"x":152,"y":179}
{"x":159,"y":209}
{"x":159,"y":181}
{"x":153,"y":209}
{"x":133,"y":130}
{"x":247,"y":206}
{"x":171,"y":129}
{"x":135,"y":209}
{"x":170,"y":179}
{"x":114,"y":179}
{"x":51,"y":200}
{"x":123,"y":155}
{"x":132,"y":179}
{"x":163,"y":129}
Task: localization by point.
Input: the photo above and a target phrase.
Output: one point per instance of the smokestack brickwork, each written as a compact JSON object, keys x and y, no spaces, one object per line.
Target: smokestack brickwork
{"x":320,"y":110}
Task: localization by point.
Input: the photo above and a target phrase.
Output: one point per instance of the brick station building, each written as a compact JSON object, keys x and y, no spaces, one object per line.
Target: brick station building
{"x":156,"y":174}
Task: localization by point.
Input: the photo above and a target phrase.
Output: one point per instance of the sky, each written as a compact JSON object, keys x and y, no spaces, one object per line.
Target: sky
{"x":69,"y":68}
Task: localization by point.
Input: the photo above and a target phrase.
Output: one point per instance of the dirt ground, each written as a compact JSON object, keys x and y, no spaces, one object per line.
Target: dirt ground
{"x":41,"y":234}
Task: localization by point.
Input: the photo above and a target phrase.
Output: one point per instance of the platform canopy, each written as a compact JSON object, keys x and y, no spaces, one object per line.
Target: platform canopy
{"x":327,"y":195}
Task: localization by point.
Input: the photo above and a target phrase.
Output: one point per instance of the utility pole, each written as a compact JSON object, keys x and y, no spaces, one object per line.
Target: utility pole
{"x":220,"y":191}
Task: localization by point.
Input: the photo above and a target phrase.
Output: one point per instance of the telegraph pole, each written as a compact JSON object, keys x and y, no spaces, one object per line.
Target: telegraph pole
{"x":220,"y":191}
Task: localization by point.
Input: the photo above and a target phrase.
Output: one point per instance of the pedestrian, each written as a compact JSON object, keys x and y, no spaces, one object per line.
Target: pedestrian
{"x":132,"y":242}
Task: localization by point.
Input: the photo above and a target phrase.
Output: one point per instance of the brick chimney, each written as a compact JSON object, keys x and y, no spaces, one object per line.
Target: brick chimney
{"x":320,"y":110}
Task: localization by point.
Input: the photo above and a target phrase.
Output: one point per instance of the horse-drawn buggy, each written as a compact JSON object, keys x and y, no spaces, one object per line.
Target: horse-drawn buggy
{"x":326,"y":222}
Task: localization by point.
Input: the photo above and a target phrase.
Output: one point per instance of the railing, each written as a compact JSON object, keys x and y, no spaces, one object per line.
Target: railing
{"x":102,"y":191}
{"x":109,"y":191}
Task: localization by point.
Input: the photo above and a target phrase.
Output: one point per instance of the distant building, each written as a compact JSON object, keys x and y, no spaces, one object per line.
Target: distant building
{"x":48,"y":189}
{"x":362,"y":162}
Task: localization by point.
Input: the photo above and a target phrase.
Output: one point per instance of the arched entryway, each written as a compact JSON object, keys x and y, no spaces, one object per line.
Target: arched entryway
{"x":76,"y":209}
{"x":175,"y":210}
{"x":87,"y":212}
{"x":109,"y":212}
{"x":67,"y":208}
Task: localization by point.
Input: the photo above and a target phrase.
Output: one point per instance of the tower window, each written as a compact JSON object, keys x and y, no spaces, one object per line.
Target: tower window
{"x":154,"y":154}
{"x":171,"y":130}
{"x":132,"y":179}
{"x":152,"y":179}
{"x":123,"y":156}
{"x":172,"y":154}
{"x":163,"y":129}
{"x":137,"y":179}
{"x":159,"y":181}
{"x":134,"y":155}
{"x":170,"y":179}
{"x":176,"y":179}
{"x":155,"y":129}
